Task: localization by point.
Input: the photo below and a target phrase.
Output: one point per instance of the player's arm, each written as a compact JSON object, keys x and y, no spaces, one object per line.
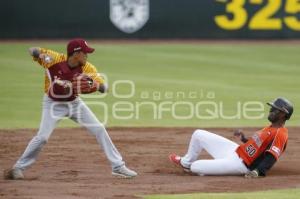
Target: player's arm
{"x":266,"y":164}
{"x":271,"y":155}
{"x":240,"y":136}
{"x":91,"y":71}
{"x":46,"y":57}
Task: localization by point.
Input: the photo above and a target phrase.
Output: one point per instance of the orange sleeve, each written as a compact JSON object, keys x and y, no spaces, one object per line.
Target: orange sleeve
{"x":91,"y":71}
{"x":50,"y":58}
{"x":279,"y":143}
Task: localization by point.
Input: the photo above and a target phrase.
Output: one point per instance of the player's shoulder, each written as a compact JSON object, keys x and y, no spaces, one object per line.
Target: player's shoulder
{"x":282,"y":133}
{"x":88,"y":64}
{"x":89,"y":67}
{"x":280,"y":129}
{"x":51,"y":57}
{"x":283,"y":130}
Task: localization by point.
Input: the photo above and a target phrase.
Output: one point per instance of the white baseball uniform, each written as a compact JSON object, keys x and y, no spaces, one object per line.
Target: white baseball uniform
{"x":225,"y":160}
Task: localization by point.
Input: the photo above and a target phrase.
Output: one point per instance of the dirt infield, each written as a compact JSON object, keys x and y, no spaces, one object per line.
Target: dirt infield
{"x":71,"y":166}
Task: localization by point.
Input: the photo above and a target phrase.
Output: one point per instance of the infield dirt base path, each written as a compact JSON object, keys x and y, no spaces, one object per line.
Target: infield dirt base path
{"x":71,"y":165}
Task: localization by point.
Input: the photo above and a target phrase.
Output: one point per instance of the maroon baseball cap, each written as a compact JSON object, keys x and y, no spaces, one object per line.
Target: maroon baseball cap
{"x":76,"y":45}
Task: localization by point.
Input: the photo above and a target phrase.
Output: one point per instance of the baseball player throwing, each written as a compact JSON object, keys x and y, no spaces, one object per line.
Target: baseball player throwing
{"x":253,"y":158}
{"x":65,"y":78}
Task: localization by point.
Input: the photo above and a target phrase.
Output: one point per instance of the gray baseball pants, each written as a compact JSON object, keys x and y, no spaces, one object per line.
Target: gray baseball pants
{"x":77,"y":110}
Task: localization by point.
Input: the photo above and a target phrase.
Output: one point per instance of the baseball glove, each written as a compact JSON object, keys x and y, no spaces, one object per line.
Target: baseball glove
{"x":83,"y":84}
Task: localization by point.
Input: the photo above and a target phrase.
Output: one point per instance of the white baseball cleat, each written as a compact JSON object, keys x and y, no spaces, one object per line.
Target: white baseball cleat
{"x":13,"y":174}
{"x":124,"y":172}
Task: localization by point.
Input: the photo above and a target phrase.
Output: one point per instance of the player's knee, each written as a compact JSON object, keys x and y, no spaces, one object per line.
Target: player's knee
{"x":198,"y":133}
{"x":42,"y":139}
{"x":97,"y":130}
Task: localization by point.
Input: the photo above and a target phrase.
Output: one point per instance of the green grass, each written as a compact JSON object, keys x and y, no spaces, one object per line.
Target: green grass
{"x":272,"y":194}
{"x":233,"y":72}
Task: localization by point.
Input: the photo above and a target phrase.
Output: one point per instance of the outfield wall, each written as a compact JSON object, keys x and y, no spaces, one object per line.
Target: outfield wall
{"x":153,"y":19}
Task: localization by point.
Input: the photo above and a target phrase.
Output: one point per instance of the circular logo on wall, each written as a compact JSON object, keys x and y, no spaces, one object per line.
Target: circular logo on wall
{"x":129,"y":15}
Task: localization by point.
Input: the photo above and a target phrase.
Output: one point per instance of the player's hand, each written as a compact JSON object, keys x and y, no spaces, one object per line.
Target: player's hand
{"x":103,"y":88}
{"x":252,"y":174}
{"x":238,"y":134}
{"x":83,"y":84}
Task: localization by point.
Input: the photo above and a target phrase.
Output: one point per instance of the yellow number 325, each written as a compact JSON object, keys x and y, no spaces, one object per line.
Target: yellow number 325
{"x":262,"y":19}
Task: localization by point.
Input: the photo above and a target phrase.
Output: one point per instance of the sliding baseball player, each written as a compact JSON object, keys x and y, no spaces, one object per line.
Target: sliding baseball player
{"x":254,"y":158}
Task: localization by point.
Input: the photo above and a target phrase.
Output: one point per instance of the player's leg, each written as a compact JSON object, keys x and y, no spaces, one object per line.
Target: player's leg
{"x":231,"y":165}
{"x":50,"y":116}
{"x":217,"y":146}
{"x":85,"y":117}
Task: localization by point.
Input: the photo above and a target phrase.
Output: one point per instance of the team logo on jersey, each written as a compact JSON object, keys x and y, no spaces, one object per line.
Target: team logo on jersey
{"x":129,"y":15}
{"x":257,"y":140}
